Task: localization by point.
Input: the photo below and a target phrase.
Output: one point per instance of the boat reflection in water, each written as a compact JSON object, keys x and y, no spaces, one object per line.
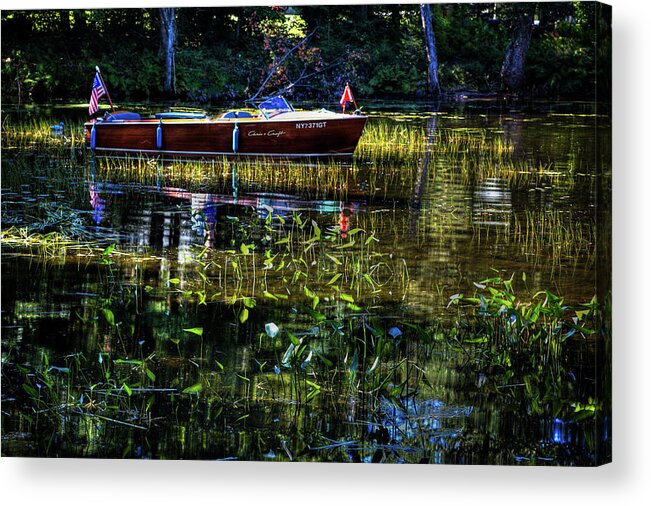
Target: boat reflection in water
{"x":173,"y":217}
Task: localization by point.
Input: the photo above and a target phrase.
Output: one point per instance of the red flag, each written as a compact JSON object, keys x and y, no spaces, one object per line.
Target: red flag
{"x":346,"y":98}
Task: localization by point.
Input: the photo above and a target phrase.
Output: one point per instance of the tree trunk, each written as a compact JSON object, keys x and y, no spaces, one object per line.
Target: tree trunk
{"x":168,"y":40}
{"x":430,"y":46}
{"x":516,"y":53}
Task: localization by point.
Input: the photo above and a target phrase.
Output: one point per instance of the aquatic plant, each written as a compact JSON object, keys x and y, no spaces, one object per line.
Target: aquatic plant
{"x":520,"y":343}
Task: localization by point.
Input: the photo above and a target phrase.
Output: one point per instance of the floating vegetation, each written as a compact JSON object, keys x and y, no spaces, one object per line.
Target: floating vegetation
{"x":364,"y":366}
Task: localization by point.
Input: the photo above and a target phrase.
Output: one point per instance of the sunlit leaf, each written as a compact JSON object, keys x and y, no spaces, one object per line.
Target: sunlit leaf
{"x":293,"y":339}
{"x":269,"y":295}
{"x":195,"y":330}
{"x":108,"y":315}
{"x":108,"y":250}
{"x":131,"y":361}
{"x":249,"y":302}
{"x":349,"y":244}
{"x":308,"y":293}
{"x":196,"y":388}
{"x":244,"y":315}
{"x":334,"y":259}
{"x":334,"y":278}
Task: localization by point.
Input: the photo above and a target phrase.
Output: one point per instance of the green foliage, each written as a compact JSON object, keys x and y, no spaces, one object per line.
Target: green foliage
{"x":226,"y":53}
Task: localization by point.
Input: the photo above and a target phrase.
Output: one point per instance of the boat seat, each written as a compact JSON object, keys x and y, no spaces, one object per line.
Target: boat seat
{"x":121,"y":116}
{"x":236,"y":114}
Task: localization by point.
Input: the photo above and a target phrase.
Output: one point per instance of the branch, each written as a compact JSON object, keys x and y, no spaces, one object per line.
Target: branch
{"x":303,"y":76}
{"x":276,"y":65}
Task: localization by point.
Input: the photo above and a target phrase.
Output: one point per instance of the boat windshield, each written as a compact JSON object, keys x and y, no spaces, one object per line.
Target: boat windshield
{"x":275,"y":105}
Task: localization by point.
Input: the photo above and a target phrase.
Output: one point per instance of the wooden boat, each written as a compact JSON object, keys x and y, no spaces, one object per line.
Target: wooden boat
{"x":277,"y":130}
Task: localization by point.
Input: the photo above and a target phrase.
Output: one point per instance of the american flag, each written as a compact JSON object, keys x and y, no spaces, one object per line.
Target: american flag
{"x":97,"y":93}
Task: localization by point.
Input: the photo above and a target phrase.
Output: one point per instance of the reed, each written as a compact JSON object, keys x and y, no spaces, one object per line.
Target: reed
{"x":553,"y":237}
{"x":38,"y":134}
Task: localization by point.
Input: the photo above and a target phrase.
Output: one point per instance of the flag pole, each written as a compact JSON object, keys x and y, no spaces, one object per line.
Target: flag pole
{"x":108,"y":97}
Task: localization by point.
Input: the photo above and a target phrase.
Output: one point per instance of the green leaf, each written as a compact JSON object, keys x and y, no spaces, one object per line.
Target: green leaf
{"x":131,"y":361}
{"x":244,"y":249}
{"x":150,"y":374}
{"x":476,"y":340}
{"x":249,"y":302}
{"x":312,"y":394}
{"x":195,"y":330}
{"x":308,"y":293}
{"x":244,"y":315}
{"x":31,"y":391}
{"x":317,"y":230}
{"x":370,"y":238}
{"x":108,"y":250}
{"x":334,"y":278}
{"x":334,"y":259}
{"x":108,"y":314}
{"x":174,"y":281}
{"x":294,"y":340}
{"x":327,"y":362}
{"x":127,"y":389}
{"x":219,"y":364}
{"x":349,"y":244}
{"x":196,"y":388}
{"x":317,"y":316}
{"x":346,"y":297}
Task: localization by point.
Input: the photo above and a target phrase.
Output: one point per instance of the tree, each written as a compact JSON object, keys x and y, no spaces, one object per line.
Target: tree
{"x":430,"y":46}
{"x":515,"y":57}
{"x":168,"y":40}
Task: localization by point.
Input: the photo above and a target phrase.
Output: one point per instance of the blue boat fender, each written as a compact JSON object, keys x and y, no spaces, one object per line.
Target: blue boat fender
{"x":236,"y":138}
{"x":159,"y":135}
{"x":93,"y":137}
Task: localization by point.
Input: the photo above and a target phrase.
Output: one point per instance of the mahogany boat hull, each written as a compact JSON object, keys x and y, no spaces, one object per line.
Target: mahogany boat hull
{"x":292,"y":135}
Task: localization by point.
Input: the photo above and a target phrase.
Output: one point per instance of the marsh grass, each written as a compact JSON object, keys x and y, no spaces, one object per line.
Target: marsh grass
{"x":552,"y":237}
{"x":37,"y":134}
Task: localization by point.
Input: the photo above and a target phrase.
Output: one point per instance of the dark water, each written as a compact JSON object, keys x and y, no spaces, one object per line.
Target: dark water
{"x":363,"y":385}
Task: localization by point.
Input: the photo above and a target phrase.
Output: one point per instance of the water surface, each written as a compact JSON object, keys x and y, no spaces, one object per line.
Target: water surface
{"x":162,"y":347}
